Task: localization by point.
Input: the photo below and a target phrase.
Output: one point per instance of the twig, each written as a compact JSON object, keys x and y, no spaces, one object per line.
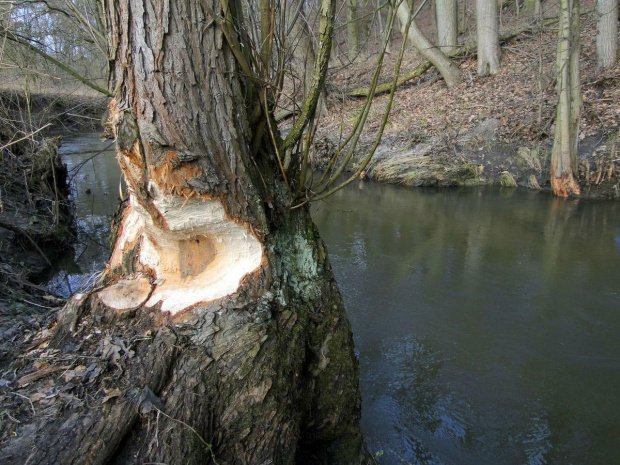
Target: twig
{"x":27,"y":136}
{"x":38,"y":305}
{"x":207,"y":445}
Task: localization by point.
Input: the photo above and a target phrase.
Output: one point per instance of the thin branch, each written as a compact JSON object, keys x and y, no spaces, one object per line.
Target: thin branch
{"x":65,"y":68}
{"x":326,"y":27}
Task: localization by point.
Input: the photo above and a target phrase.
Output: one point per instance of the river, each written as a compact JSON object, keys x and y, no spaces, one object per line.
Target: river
{"x":487,"y":322}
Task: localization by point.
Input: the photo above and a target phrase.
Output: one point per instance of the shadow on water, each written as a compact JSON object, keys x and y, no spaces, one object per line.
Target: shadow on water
{"x":486,"y":322}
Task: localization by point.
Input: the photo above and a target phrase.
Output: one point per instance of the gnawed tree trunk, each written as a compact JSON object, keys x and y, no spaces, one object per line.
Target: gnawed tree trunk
{"x":564,"y":151}
{"x":606,"y":33}
{"x":446,"y":18}
{"x":446,"y":67}
{"x":487,"y":30}
{"x":218,"y":332}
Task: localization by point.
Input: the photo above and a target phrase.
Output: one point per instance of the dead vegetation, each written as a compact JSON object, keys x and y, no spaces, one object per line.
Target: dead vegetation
{"x":435,"y":135}
{"x":36,"y":221}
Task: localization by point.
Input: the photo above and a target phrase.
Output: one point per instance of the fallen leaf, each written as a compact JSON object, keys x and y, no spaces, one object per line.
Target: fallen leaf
{"x":111,"y":394}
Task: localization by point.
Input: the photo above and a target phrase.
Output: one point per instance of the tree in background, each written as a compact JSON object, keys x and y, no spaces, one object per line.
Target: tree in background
{"x":532,"y":7}
{"x":353,"y":30}
{"x":607,"y":33}
{"x":564,"y":151}
{"x":63,"y":39}
{"x":448,"y":69}
{"x":304,"y":50}
{"x":446,"y":19}
{"x":487,"y":29}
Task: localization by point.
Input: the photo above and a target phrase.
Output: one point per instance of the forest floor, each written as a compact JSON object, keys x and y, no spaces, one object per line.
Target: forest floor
{"x":482,"y":128}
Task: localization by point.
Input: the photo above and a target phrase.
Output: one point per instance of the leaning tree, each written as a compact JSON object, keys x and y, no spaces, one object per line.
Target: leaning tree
{"x":217,"y":332}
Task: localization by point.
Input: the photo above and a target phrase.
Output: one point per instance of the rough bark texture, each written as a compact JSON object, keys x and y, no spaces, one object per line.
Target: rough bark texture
{"x":564,"y":151}
{"x":264,"y":374}
{"x":606,"y":33}
{"x":446,"y":67}
{"x":446,"y":18}
{"x":487,"y":28}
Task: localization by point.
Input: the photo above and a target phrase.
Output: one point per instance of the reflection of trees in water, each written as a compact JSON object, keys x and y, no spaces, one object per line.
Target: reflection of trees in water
{"x":517,"y":288}
{"x":448,"y":233}
{"x":425,"y":412}
{"x":96,"y":175}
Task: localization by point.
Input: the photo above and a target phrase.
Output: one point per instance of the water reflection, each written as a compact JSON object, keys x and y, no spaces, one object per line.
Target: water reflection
{"x":95,"y":181}
{"x":486,"y":321}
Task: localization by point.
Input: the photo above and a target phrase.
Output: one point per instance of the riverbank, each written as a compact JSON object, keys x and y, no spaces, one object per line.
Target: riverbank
{"x":36,"y":214}
{"x":494,"y":131}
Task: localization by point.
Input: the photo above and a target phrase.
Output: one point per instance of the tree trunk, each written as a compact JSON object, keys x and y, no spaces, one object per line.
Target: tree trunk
{"x":487,"y":27}
{"x":353,"y":30}
{"x":303,"y":48}
{"x":532,"y":7}
{"x":448,"y":69}
{"x":564,"y":151}
{"x":607,"y":33}
{"x":218,"y":333}
{"x":446,"y":18}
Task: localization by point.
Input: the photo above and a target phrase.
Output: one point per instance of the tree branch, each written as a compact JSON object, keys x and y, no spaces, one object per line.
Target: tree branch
{"x":65,"y":68}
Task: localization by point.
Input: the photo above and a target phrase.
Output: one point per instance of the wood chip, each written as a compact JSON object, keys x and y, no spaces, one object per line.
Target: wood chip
{"x":31,"y":377}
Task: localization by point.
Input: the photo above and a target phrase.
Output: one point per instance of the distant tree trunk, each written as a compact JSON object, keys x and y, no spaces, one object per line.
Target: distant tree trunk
{"x":448,"y":69}
{"x":531,"y":7}
{"x":353,"y":29}
{"x":304,"y":50}
{"x":487,"y":27}
{"x":607,"y":33}
{"x":564,"y":151}
{"x":446,"y":18}
{"x":218,"y":332}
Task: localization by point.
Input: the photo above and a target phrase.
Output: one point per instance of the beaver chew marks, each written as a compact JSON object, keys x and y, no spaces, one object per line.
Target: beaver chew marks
{"x":126,"y":294}
{"x":200,"y":257}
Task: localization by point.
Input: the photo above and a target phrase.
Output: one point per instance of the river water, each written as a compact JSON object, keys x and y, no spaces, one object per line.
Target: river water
{"x":487,"y":322}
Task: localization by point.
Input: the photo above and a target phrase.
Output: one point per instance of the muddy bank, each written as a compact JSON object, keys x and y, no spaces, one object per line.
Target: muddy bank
{"x":36,"y":215}
{"x":477,"y":158}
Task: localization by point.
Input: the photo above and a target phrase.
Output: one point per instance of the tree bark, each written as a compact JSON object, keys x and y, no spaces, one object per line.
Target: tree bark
{"x":606,"y":33}
{"x":487,"y":28}
{"x":446,"y":67}
{"x":564,"y":151}
{"x":446,"y":18}
{"x":218,"y":333}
